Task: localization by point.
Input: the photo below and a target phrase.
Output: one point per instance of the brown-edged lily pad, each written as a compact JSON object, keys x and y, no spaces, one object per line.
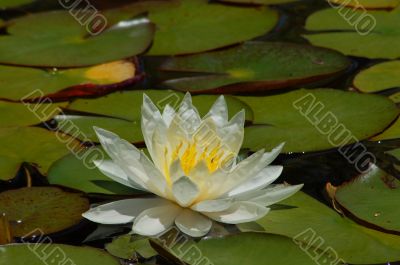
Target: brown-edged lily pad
{"x":255,"y":66}
{"x":372,"y":197}
{"x":24,"y":83}
{"x":369,"y":4}
{"x":41,"y":210}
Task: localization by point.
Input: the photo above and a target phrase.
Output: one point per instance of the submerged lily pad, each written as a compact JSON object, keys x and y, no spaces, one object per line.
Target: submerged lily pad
{"x":372,"y":197}
{"x":19,"y":114}
{"x":372,"y":34}
{"x":127,"y":105}
{"x":312,"y":224}
{"x":379,"y":77}
{"x":18,"y":83}
{"x":34,"y":145}
{"x":318,"y":119}
{"x":41,"y":210}
{"x":81,"y":127}
{"x":80,"y":173}
{"x":38,"y":254}
{"x":372,"y":4}
{"x":190,"y":26}
{"x":255,"y":66}
{"x":57,"y":39}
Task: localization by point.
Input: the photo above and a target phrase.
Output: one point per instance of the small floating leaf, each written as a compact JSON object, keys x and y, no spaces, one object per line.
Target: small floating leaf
{"x":379,"y":77}
{"x":255,"y":66}
{"x":36,"y":210}
{"x":128,"y":246}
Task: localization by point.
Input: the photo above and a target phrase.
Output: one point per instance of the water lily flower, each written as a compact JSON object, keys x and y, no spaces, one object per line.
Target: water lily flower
{"x":193,"y":172}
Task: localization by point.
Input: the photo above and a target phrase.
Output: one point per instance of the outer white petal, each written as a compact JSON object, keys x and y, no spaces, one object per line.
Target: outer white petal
{"x":233,"y":133}
{"x":121,"y":212}
{"x":213,"y":205}
{"x":260,"y":181}
{"x":156,"y":220}
{"x":168,"y":114}
{"x":276,"y":194}
{"x":219,"y":112}
{"x":114,"y":172}
{"x":185,"y":191}
{"x":188,"y":116}
{"x":151,"y":116}
{"x":240,"y":212}
{"x":192,"y":223}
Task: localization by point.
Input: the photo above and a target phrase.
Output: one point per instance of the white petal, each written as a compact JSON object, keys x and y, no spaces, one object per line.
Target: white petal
{"x":168,"y":115}
{"x":156,"y":220}
{"x":240,"y":212}
{"x":189,"y":118}
{"x":175,"y":170}
{"x":276,"y":194}
{"x":219,"y":112}
{"x":260,"y":181}
{"x":233,"y":133}
{"x":192,"y":223}
{"x":121,"y":212}
{"x":185,"y":191}
{"x":151,"y":116}
{"x":213,"y":205}
{"x":114,"y":172}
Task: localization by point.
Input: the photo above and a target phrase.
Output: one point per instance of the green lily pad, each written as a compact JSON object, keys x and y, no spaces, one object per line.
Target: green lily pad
{"x":372,"y":34}
{"x":81,"y":174}
{"x":127,"y":105}
{"x":379,"y":77}
{"x":38,"y":254}
{"x":34,"y":145}
{"x":51,"y":32}
{"x":242,"y":248}
{"x":19,"y":114}
{"x":30,"y":209}
{"x":18,"y":83}
{"x":372,"y":4}
{"x":190,"y":26}
{"x":372,"y":197}
{"x":81,"y":127}
{"x":248,"y":67}
{"x":261,"y":2}
{"x":280,"y":118}
{"x":5,"y":4}
{"x":311,"y":223}
{"x":393,"y":132}
{"x":128,"y":246}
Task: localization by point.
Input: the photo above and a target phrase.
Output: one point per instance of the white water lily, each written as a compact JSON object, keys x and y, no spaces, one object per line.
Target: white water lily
{"x":193,"y":172}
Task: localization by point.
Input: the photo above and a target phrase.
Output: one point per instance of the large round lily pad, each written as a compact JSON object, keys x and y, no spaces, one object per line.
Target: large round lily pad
{"x":34,"y":145}
{"x":255,"y":66}
{"x":82,"y":174}
{"x":305,"y":119}
{"x":39,"y":254}
{"x":244,"y":248}
{"x":313,"y":224}
{"x":392,"y":132}
{"x":191,"y":26}
{"x":127,"y":105}
{"x":372,"y":4}
{"x":372,"y":34}
{"x":379,"y":77}
{"x":19,"y":114}
{"x":373,"y":197}
{"x":56,"y":38}
{"x":81,"y":127}
{"x":18,"y":83}
{"x":46,"y":210}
